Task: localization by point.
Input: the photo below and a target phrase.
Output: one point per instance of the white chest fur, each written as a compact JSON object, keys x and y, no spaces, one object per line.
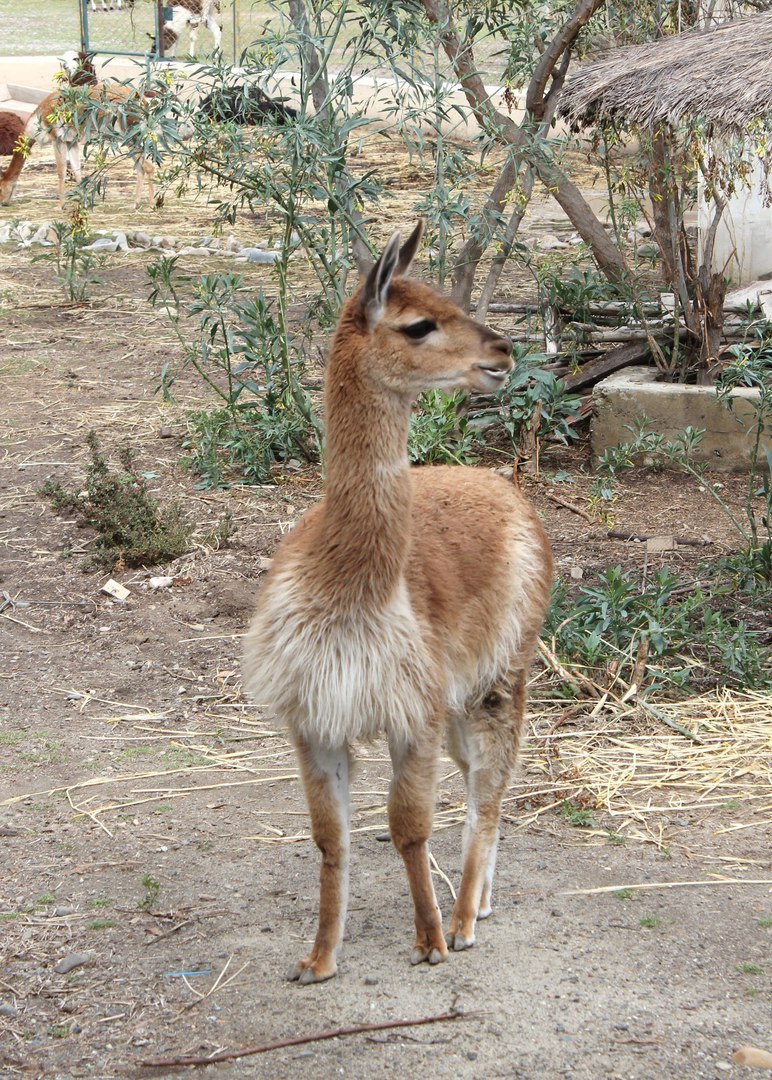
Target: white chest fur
{"x":335,"y":675}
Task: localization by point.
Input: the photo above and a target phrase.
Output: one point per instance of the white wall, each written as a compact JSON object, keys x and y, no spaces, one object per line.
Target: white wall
{"x":744,"y":236}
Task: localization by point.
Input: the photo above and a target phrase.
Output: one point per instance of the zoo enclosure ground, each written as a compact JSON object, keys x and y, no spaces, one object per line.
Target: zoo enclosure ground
{"x":153,"y":821}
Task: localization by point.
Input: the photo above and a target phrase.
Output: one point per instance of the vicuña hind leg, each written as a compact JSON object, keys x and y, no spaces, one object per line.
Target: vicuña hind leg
{"x":411,"y":811}
{"x":485,"y":745}
{"x":326,"y":779}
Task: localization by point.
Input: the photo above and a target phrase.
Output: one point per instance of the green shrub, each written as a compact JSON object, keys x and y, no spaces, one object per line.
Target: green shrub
{"x":132,"y":529}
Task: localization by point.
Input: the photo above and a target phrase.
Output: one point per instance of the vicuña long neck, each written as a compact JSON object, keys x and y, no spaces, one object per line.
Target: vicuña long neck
{"x":365,"y":527}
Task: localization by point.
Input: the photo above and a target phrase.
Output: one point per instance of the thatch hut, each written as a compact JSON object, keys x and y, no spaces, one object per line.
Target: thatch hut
{"x":721,"y":77}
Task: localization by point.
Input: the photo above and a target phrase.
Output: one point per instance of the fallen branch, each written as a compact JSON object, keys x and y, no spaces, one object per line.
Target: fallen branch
{"x":576,"y":679}
{"x":665,"y":885}
{"x":654,"y":711}
{"x":570,"y":506}
{"x":300,"y":1040}
{"x":625,"y":534}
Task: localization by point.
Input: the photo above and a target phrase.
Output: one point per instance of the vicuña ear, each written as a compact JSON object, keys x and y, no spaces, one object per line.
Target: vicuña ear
{"x":376,"y":287}
{"x":409,"y":249}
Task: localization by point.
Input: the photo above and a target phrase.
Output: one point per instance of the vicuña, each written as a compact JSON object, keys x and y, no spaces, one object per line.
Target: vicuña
{"x":407,"y":602}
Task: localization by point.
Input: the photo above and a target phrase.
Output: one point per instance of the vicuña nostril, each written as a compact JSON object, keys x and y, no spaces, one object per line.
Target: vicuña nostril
{"x":502,"y":345}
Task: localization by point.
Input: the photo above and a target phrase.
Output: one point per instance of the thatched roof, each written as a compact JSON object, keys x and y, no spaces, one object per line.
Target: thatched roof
{"x":722,"y":76}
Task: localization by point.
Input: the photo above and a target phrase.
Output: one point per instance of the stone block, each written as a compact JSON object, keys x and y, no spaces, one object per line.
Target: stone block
{"x":634,"y":394}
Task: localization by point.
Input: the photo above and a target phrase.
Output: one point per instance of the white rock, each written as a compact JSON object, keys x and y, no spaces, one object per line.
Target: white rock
{"x":100,"y":245}
{"x":255,"y":255}
{"x":160,"y":582}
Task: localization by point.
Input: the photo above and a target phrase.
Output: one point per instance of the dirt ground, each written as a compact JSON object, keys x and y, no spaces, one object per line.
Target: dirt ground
{"x":153,"y":825}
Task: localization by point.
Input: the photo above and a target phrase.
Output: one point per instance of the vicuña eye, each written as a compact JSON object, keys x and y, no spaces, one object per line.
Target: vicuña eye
{"x":420,"y":329}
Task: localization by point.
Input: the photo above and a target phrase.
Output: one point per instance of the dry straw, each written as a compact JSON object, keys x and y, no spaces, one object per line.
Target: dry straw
{"x":634,"y":775}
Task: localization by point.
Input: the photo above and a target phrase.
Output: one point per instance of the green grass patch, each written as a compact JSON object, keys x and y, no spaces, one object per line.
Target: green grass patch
{"x":749,"y":968}
{"x":576,"y":816}
{"x":103,"y":924}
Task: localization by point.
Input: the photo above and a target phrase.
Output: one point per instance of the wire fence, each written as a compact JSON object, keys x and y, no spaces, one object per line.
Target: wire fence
{"x":131,"y":29}
{"x":44,"y":28}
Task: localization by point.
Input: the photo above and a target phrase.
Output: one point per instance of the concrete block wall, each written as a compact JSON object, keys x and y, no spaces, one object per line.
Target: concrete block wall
{"x":633,"y":394}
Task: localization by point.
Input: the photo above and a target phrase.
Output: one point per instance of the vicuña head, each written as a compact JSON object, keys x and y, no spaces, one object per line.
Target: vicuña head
{"x":415,"y":339}
{"x":407,"y":603}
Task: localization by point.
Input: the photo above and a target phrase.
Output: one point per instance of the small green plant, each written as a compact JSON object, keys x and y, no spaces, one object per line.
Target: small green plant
{"x":102,"y":924}
{"x":654,"y":630}
{"x":252,"y":362}
{"x":765,"y":924}
{"x":76,"y":270}
{"x":58,"y":1031}
{"x":625,"y":894}
{"x":45,"y":899}
{"x":439,"y":431}
{"x":749,"y":968}
{"x":536,"y":407}
{"x":131,"y":527}
{"x":12,"y":738}
{"x":576,"y":291}
{"x":99,"y":902}
{"x":152,"y":889}
{"x":576,"y":816}
{"x":650,"y":922}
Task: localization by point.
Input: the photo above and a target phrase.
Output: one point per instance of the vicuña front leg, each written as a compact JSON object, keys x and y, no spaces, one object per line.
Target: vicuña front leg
{"x":485,"y":744}
{"x":411,"y":810}
{"x":326,"y":779}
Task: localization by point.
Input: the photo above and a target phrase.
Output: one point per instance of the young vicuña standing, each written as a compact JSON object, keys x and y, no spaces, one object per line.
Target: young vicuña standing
{"x":407,"y":602}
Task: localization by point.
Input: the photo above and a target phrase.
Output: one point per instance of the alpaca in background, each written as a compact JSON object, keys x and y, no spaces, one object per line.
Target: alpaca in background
{"x":190,"y":14}
{"x":68,"y":124}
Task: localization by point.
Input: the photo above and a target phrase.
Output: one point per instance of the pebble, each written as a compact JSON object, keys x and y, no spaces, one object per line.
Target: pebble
{"x":63,"y":909}
{"x":8,"y":1010}
{"x":69,"y":963}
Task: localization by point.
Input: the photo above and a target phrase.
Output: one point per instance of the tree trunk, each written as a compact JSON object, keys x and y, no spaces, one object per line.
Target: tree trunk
{"x":523,"y":141}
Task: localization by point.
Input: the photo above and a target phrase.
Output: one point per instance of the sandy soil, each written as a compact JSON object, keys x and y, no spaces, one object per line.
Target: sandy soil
{"x":152,"y":822}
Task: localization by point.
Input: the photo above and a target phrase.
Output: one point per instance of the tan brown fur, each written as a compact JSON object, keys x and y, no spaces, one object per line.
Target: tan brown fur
{"x":60,"y":119}
{"x":408,"y":602}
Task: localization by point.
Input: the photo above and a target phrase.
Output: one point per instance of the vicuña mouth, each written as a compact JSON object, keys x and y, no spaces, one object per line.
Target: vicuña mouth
{"x":494,"y":373}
